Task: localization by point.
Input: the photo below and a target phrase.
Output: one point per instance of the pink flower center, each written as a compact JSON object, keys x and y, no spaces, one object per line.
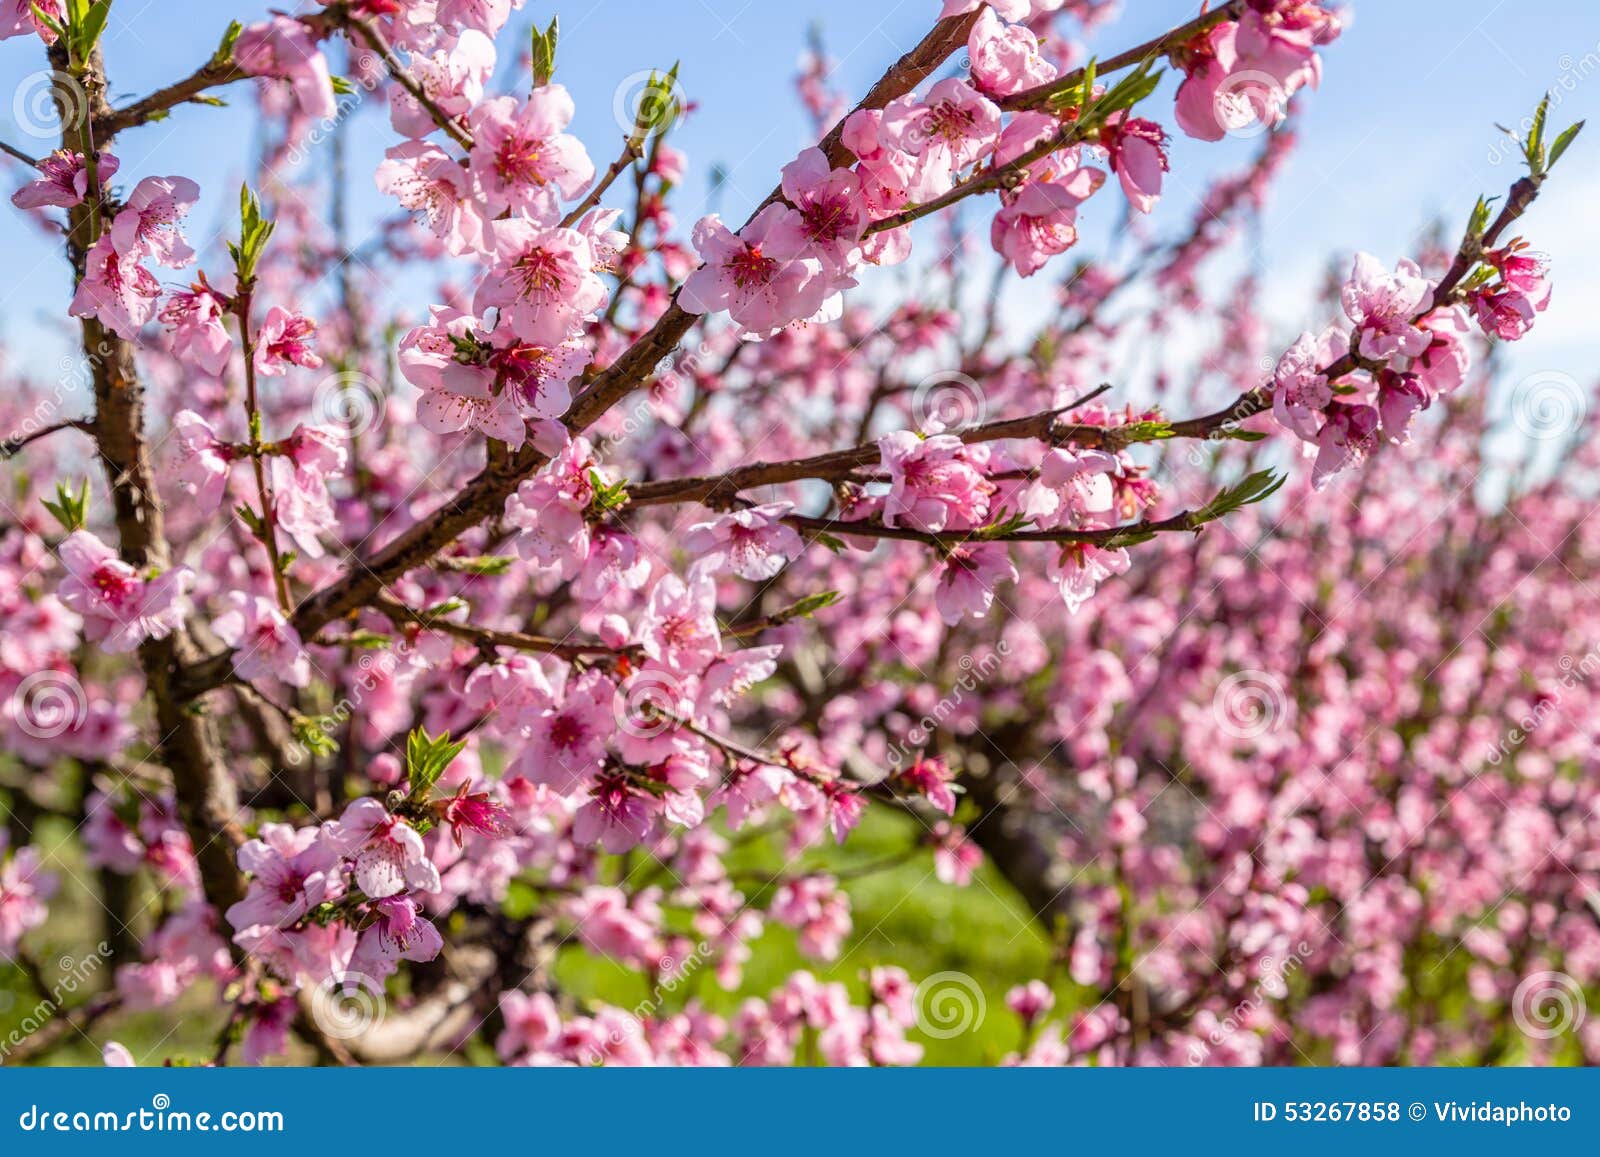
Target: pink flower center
{"x":828,"y":218}
{"x":539,"y":272}
{"x":752,"y":267}
{"x":950,"y":122}
{"x":517,"y":161}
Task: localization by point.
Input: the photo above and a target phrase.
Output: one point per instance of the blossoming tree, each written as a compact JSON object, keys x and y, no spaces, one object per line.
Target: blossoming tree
{"x":387,"y":654}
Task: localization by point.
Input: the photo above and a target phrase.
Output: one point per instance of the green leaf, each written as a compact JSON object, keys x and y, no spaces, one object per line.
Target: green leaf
{"x":341,"y":86}
{"x":254,"y":230}
{"x":224,"y":53}
{"x":1254,"y":488}
{"x":1129,"y":91}
{"x":544,"y":53}
{"x":1149,"y":431}
{"x":484,"y":564}
{"x":70,"y":510}
{"x":368,"y":640}
{"x":1561,"y":143}
{"x":607,"y":496}
{"x":315,"y":733}
{"x":1244,"y":435}
{"x":810,"y":605}
{"x":1534,"y":147}
{"x":427,"y":757}
{"x":659,"y":106}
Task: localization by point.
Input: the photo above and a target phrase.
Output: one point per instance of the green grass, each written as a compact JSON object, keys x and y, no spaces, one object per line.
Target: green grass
{"x":902,"y":916}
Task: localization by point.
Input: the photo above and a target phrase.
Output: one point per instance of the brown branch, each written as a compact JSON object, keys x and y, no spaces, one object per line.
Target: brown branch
{"x":399,"y":612}
{"x":212,"y":74}
{"x":206,"y":796}
{"x":11,"y":445}
{"x":632,"y":150}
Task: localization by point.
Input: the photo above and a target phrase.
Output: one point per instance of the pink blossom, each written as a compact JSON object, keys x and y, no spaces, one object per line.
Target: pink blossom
{"x":148,"y":226}
{"x":541,"y":279}
{"x":284,"y":339}
{"x":955,"y":857}
{"x":753,"y":542}
{"x":1031,"y":1001}
{"x":1138,"y":157}
{"x":199,"y":337}
{"x":452,"y":79}
{"x":548,"y":510}
{"x":116,"y":289}
{"x":1300,"y":389}
{"x":1350,"y":434}
{"x":952,"y":128}
{"x":1005,"y":57}
{"x":17,"y":18}
{"x":932,"y":483}
{"x":1041,"y":221}
{"x":760,"y":275}
{"x":291,"y":872}
{"x":832,"y":212}
{"x":267,"y":645}
{"x":424,"y":179}
{"x":1074,"y":489}
{"x":25,"y":889}
{"x":930,"y":777}
{"x":285,"y":49}
{"x":121,"y":606}
{"x":1383,"y":305}
{"x":400,"y":932}
{"x":523,"y":160}
{"x":532,"y":1024}
{"x":1078,"y":570}
{"x":817,"y":910}
{"x":616,"y":816}
{"x":679,"y":626}
{"x":968,"y":575}
{"x":1443,"y":366}
{"x":202,"y":459}
{"x":567,"y":732}
{"x":63,"y":179}
{"x":388,"y":852}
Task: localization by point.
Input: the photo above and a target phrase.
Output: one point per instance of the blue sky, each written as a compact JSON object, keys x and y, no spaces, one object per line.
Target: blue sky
{"x":1402,"y":130}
